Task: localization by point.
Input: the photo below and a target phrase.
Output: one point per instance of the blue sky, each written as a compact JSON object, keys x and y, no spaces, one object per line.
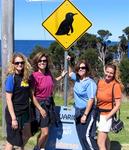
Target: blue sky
{"x":110,"y":15}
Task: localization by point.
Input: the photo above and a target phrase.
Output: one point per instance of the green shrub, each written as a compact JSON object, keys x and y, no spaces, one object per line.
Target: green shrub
{"x":124,"y":68}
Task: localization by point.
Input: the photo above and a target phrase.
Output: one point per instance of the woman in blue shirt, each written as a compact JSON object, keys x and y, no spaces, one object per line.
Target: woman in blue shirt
{"x":84,"y":94}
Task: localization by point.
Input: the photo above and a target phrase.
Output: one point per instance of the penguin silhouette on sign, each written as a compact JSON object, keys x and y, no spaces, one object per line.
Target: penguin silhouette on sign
{"x":66,"y":25}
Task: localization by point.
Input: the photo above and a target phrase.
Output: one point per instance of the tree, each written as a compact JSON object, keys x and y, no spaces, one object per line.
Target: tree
{"x":126,"y":31}
{"x":123,"y":44}
{"x":124,"y":69}
{"x":56,"y":53}
{"x":102,"y":45}
{"x":86,"y":41}
{"x":104,"y":34}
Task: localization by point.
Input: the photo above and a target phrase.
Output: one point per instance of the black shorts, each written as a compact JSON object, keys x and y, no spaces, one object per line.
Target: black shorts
{"x":14,"y":137}
{"x":50,"y":117}
{"x":43,"y":122}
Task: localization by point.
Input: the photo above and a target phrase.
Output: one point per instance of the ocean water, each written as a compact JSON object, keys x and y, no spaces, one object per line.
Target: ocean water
{"x":26,"y":46}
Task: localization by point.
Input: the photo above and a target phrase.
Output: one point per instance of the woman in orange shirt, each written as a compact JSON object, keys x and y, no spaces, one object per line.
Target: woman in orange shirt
{"x":110,"y":82}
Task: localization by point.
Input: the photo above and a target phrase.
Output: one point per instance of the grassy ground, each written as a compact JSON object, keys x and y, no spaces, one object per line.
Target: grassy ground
{"x":0,"y":113}
{"x":119,"y":141}
{"x":123,"y":136}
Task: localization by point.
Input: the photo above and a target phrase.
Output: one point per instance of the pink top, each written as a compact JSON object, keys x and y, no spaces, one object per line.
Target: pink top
{"x":42,"y":84}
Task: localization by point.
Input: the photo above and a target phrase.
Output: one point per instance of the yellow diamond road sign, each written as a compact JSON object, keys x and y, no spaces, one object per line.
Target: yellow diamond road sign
{"x":66,"y":24}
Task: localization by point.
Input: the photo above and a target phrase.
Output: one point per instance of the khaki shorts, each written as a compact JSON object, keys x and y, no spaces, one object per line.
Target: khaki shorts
{"x":103,"y":124}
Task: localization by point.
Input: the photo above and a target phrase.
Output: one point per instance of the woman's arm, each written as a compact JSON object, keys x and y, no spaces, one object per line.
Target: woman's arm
{"x":117,"y":100}
{"x":70,"y":71}
{"x":61,"y":76}
{"x":87,"y":110}
{"x":37,"y":105}
{"x":11,"y":110}
{"x":115,"y":109}
{"x":91,"y":92}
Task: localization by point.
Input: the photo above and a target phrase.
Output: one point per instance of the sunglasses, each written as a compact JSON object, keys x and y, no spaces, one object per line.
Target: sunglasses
{"x":83,"y":68}
{"x":17,"y":63}
{"x":44,"y":61}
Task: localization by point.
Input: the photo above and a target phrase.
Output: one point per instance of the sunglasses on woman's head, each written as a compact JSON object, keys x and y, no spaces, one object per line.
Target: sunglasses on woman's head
{"x":44,"y":61}
{"x":19,"y":62}
{"x":82,"y":68}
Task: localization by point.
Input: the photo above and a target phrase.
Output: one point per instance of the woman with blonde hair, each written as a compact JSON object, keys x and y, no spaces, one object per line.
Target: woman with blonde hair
{"x":108,"y":88}
{"x":17,"y":98}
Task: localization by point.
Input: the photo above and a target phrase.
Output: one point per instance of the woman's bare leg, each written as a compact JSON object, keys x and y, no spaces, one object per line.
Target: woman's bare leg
{"x":108,"y":144}
{"x":42,"y":138}
{"x":101,"y":140}
{"x":8,"y":146}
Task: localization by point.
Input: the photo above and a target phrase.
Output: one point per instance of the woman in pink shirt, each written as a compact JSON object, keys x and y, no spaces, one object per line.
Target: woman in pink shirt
{"x":42,"y":87}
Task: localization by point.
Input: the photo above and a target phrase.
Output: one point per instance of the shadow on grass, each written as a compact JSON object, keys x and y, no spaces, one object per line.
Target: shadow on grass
{"x":115,"y":145}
